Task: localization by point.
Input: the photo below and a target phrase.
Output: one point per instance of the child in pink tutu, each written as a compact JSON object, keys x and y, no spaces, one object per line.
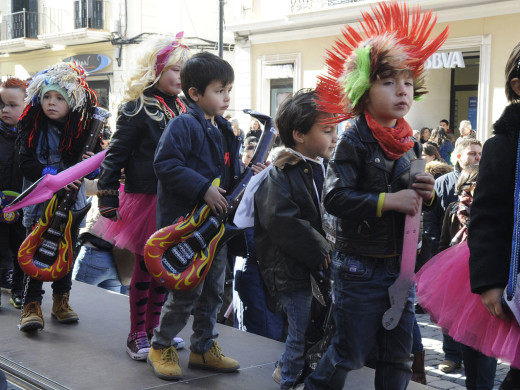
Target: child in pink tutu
{"x":480,"y":369}
{"x":481,"y":267}
{"x":150,"y":101}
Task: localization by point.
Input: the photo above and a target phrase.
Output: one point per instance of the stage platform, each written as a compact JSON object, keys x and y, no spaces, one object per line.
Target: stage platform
{"x":91,"y":354}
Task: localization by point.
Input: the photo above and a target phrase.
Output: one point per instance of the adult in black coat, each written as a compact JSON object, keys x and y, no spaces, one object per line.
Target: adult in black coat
{"x":492,"y":211}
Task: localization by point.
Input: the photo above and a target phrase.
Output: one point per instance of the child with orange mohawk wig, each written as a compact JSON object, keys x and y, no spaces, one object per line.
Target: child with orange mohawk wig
{"x":374,"y":76}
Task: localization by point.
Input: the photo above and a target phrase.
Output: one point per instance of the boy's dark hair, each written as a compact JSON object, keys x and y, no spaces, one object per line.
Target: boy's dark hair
{"x":202,"y":69}
{"x":445,"y":121}
{"x":297,"y":112}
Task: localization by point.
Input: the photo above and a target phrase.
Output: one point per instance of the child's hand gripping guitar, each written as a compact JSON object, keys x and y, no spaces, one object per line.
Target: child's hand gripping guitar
{"x":400,"y":290}
{"x":180,"y":255}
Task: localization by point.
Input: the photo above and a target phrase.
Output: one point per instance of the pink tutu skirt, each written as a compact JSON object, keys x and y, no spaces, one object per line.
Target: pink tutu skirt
{"x":443,"y":289}
{"x":137,"y":222}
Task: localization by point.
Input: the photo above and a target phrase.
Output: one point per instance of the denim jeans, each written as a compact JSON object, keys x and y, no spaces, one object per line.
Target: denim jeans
{"x":417,"y":345}
{"x":361,"y":297}
{"x":96,"y":267}
{"x":205,"y":300}
{"x":480,"y":369}
{"x":297,"y":306}
{"x":452,"y":349}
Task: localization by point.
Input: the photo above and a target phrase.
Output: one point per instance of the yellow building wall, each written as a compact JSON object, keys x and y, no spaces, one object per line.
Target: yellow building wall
{"x":503,"y":39}
{"x":24,"y":65}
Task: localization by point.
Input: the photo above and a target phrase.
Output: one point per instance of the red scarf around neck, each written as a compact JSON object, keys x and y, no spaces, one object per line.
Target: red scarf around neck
{"x":395,"y":141}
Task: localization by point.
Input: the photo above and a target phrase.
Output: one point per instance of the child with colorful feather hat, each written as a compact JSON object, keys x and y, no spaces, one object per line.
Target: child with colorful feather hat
{"x":374,"y":75}
{"x":53,"y":131}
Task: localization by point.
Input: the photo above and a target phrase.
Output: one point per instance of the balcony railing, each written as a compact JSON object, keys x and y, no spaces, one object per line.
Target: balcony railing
{"x":92,"y":14}
{"x":303,"y":5}
{"x":23,"y":24}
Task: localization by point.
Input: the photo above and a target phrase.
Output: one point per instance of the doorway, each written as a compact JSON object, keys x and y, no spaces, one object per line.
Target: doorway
{"x":464,"y":93}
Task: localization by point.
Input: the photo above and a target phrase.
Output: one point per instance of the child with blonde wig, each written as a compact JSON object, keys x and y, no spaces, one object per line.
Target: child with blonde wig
{"x":149,"y":102}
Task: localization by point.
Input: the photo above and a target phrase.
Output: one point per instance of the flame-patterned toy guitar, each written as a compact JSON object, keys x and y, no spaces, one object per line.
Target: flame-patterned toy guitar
{"x":179,"y":256}
{"x":47,"y":253}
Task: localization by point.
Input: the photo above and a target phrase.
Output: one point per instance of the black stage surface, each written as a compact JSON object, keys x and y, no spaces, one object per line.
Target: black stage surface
{"x":91,"y":354}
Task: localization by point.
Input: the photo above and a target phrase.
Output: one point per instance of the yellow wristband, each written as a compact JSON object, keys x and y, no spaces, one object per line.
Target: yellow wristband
{"x":380,"y":201}
{"x":431,"y":200}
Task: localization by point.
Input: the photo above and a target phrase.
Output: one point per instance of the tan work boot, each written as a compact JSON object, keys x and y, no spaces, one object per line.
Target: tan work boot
{"x":32,"y":317}
{"x":61,"y":309}
{"x":213,"y":360}
{"x":165,"y":363}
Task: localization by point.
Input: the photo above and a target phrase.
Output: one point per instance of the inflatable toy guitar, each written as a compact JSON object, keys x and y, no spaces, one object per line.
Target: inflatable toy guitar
{"x":8,"y":217}
{"x":179,"y":256}
{"x":47,"y":253}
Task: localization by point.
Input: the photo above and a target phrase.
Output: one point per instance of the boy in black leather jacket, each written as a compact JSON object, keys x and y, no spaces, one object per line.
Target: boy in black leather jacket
{"x":373,"y":79}
{"x":289,"y":239}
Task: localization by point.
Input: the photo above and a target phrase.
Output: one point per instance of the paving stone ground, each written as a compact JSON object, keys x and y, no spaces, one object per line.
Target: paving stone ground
{"x":432,"y":341}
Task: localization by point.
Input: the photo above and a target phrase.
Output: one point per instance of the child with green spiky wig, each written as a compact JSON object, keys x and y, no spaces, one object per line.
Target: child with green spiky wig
{"x":373,"y":77}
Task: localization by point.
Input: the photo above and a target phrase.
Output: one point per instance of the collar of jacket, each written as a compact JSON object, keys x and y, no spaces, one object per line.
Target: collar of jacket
{"x":286,"y":157}
{"x":365,"y":133}
{"x":222,"y":123}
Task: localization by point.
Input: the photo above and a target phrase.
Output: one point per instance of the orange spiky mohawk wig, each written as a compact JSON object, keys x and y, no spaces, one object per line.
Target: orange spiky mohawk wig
{"x":390,"y":41}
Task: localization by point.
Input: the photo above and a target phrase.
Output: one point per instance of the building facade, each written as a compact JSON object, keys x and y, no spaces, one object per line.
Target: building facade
{"x":101,"y":35}
{"x":281,"y":44}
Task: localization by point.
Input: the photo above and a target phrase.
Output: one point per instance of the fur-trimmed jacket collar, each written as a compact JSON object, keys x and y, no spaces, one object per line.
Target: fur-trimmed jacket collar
{"x":288,"y":156}
{"x":509,"y":121}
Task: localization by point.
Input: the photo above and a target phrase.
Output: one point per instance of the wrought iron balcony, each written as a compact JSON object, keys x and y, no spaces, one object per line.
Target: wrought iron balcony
{"x":89,"y":14}
{"x":23,"y":24}
{"x":304,"y":5}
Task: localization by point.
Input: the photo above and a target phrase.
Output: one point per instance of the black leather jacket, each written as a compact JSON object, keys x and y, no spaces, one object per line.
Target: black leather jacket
{"x":132,"y":147}
{"x":289,"y":239}
{"x":357,"y":173}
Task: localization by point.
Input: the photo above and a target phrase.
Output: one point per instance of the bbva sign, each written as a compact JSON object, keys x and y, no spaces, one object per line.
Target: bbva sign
{"x":452,"y":59}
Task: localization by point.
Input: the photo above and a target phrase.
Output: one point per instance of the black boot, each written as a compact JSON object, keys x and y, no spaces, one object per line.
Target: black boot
{"x":418,"y":373}
{"x":511,"y":381}
{"x":6,"y":276}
